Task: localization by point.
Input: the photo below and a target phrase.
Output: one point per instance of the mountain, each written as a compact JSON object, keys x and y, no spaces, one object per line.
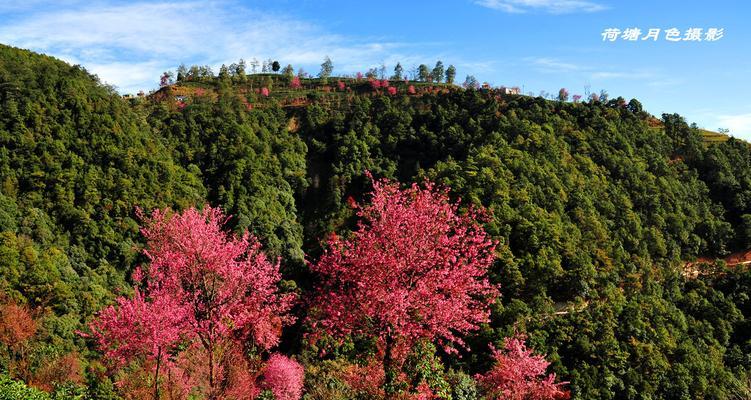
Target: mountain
{"x":597,"y":208}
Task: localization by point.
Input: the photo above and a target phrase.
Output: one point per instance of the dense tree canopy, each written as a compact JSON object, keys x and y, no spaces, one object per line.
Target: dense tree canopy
{"x":597,"y":207}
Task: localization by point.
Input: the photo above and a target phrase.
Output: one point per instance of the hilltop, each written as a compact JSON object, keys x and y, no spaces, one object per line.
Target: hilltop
{"x":596,"y":207}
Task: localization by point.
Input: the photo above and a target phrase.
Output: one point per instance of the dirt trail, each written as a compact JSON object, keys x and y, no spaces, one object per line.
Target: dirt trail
{"x":743,"y":257}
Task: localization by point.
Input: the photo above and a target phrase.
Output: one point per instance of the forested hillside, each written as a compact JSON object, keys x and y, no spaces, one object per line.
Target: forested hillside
{"x":594,"y":210}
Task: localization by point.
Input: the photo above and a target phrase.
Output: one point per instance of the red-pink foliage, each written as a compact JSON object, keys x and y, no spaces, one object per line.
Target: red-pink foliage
{"x":60,"y":370}
{"x":374,"y":83}
{"x":392,"y":90}
{"x":577,"y":97}
{"x":366,"y":379}
{"x":295,"y":83}
{"x":204,"y":286}
{"x":359,"y":76}
{"x":424,"y":392}
{"x":411,"y":89}
{"x":341,"y":85}
{"x":136,"y":327}
{"x":415,"y":268}
{"x":17,"y":325}
{"x":227,"y":282}
{"x":284,"y":377}
{"x":519,"y":374}
{"x":385,"y":83}
{"x":239,"y":376}
{"x":265,"y":92}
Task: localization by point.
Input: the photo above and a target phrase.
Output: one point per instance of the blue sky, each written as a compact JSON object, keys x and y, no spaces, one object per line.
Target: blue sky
{"x":534,"y":44}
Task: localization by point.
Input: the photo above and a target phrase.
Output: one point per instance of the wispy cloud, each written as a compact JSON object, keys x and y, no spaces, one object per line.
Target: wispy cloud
{"x":738,"y":124}
{"x":549,"y":6}
{"x":548,"y":64}
{"x":551,"y":65}
{"x":130,"y":45}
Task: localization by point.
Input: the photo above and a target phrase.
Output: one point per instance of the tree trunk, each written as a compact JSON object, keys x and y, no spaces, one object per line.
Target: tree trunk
{"x":156,"y":374}
{"x":211,"y":371}
{"x":389,"y":386}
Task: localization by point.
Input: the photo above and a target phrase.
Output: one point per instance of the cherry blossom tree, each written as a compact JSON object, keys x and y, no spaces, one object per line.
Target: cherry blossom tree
{"x":202,"y":287}
{"x":519,"y":374}
{"x":284,"y":377}
{"x":415,"y":268}
{"x":135,"y":327}
{"x":577,"y":97}
{"x":227,"y":283}
{"x":295,"y":83}
{"x":563,"y":94}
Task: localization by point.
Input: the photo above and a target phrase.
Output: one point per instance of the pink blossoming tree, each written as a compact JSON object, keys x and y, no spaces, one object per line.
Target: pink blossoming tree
{"x":204,"y":286}
{"x":137,"y":327}
{"x":284,"y":377}
{"x":415,"y":268}
{"x":519,"y":374}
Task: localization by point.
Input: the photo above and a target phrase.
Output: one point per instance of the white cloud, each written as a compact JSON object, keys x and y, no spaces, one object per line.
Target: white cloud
{"x":547,"y":64}
{"x":738,"y":124}
{"x":130,"y":45}
{"x":549,"y":6}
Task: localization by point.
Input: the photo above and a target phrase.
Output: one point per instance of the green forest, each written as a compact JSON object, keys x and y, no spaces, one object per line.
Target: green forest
{"x":611,"y":226}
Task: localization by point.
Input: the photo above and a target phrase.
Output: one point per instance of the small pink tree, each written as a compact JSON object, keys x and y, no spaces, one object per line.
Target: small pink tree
{"x":284,"y":377}
{"x":415,"y":268}
{"x":204,"y":287}
{"x":341,"y":85}
{"x":375,"y":84}
{"x":577,"y":97}
{"x":227,"y":283}
{"x":385,"y":83}
{"x":359,"y":76}
{"x":392,"y":90}
{"x":295,"y":83}
{"x":411,"y":89}
{"x":519,"y":374}
{"x":265,"y":92}
{"x":137,"y":327}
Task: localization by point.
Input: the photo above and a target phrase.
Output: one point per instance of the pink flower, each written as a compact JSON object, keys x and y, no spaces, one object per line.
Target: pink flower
{"x":284,"y":377}
{"x":519,"y":374}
